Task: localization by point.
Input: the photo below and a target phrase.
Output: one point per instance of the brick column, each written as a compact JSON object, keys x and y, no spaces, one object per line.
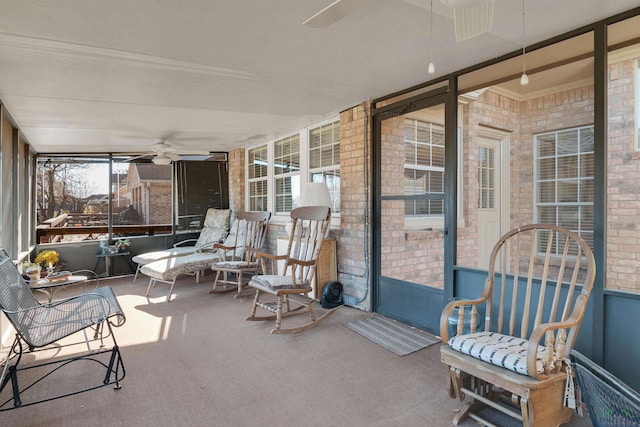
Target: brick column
{"x":237,"y":180}
{"x":355,"y":235}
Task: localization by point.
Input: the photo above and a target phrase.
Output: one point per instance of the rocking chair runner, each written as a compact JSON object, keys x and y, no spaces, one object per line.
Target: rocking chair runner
{"x":532,"y":305}
{"x":38,"y":326}
{"x":240,"y":259}
{"x":293,"y":278}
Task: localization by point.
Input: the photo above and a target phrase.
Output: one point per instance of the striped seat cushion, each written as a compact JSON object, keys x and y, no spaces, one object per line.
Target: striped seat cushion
{"x":498,"y":349}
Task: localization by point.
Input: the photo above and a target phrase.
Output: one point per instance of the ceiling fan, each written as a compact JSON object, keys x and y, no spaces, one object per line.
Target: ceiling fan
{"x":471,"y":17}
{"x":163,"y":153}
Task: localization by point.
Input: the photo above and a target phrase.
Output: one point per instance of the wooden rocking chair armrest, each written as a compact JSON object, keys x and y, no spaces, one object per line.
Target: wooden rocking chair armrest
{"x":446,"y":312}
{"x":302,"y":263}
{"x":261,"y":254}
{"x":537,"y":338}
{"x":222,"y":246}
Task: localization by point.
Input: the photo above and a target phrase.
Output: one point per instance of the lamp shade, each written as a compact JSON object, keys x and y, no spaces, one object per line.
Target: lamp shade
{"x":315,"y":194}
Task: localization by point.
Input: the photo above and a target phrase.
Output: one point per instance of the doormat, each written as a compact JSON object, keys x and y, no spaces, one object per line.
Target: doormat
{"x":397,"y":337}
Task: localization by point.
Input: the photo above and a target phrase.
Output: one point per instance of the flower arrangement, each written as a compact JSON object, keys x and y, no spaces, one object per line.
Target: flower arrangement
{"x":47,"y":258}
{"x":122,"y":244}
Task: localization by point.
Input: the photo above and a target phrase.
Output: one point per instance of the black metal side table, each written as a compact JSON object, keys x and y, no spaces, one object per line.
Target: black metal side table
{"x":106,"y":257}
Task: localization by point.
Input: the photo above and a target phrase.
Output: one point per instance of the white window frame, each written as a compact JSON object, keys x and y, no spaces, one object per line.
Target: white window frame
{"x":250,"y":181}
{"x":293,"y":174}
{"x":282,"y":218}
{"x":536,"y":180}
{"x":327,"y":169}
{"x":415,"y":222}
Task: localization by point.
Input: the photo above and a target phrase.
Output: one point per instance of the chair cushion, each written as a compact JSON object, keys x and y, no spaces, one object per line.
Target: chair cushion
{"x":235,"y":265}
{"x":272,"y":281}
{"x":236,"y":236}
{"x":498,"y":349}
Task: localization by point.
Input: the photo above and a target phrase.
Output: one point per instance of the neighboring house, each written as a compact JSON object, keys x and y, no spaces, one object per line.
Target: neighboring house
{"x":149,"y":190}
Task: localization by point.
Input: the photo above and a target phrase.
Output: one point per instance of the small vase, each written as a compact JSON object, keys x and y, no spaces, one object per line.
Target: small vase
{"x":34,"y":274}
{"x":50,"y":269}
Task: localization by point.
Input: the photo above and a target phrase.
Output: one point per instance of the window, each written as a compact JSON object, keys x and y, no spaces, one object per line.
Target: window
{"x":564,"y":167}
{"x":486,"y":180}
{"x":324,"y":159}
{"x":286,"y":169}
{"x":424,"y":166}
{"x":258,"y":178}
{"x":276,"y":170}
{"x":201,"y":184}
{"x":73,"y":193}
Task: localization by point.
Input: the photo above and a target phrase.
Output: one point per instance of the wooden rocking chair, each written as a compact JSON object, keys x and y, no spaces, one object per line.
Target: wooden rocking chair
{"x":532,"y":305}
{"x":41,"y":326}
{"x":294,"y":276}
{"x":240,"y":259}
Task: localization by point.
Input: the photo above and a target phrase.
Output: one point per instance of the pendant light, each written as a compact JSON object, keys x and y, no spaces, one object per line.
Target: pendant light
{"x":524,"y":79}
{"x":431,"y":68}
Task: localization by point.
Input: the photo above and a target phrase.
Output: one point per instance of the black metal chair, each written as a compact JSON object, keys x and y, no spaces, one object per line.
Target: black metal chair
{"x":40,"y":327}
{"x":610,"y":402}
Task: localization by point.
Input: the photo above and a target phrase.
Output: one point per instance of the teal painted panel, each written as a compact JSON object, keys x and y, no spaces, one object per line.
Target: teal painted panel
{"x":622,"y":337}
{"x":416,"y":305}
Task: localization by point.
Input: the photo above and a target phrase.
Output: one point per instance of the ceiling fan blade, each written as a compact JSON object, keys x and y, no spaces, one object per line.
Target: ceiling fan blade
{"x":332,"y":13}
{"x":174,"y":156}
{"x":142,"y":158}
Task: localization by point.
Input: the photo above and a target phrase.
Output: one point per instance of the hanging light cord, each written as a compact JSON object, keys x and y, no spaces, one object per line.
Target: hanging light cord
{"x":524,"y":79}
{"x":431,"y":68}
{"x":524,"y":58}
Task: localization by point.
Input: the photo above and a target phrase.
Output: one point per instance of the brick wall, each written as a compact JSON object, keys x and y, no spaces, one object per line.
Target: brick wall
{"x":159,"y":203}
{"x":623,"y":175}
{"x":354,"y":235}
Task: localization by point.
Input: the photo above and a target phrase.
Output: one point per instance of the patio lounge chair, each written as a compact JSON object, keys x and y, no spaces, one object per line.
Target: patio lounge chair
{"x":39,"y":330}
{"x":168,"y":270}
{"x":214,"y":230}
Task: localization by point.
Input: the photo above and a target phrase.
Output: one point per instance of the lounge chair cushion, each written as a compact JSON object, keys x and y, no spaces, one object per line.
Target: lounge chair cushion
{"x":212,"y":230}
{"x":215,"y":227}
{"x":148,"y":257}
{"x":170,"y":268}
{"x":500,"y":350}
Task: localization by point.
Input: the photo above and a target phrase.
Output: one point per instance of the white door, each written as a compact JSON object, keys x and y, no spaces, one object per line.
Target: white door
{"x":490,"y":203}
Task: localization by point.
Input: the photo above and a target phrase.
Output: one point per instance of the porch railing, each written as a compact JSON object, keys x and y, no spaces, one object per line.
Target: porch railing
{"x":48,"y":234}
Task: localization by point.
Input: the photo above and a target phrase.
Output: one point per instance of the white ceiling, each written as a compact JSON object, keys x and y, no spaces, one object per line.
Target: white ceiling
{"x":111,"y":76}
